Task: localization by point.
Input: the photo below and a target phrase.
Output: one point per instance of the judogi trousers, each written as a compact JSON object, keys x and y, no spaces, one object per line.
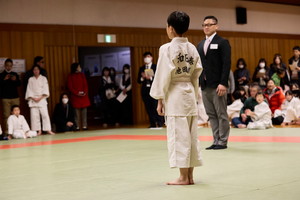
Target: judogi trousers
{"x":183,"y":144}
{"x":35,"y":113}
{"x":20,"y":134}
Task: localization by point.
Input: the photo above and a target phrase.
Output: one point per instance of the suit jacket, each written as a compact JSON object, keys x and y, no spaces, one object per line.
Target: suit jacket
{"x":216,"y":63}
{"x":145,"y":83}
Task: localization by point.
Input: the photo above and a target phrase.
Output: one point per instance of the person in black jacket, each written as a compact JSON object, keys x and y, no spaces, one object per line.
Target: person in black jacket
{"x":63,"y":116}
{"x":9,"y":83}
{"x":145,"y":78}
{"x":294,"y":65}
{"x":215,"y":53}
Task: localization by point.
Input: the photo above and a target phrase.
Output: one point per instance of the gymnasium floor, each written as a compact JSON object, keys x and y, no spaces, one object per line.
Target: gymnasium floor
{"x":131,"y":164}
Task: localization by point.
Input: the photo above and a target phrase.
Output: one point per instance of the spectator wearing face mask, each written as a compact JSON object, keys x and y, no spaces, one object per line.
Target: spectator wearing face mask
{"x":64,"y":115}
{"x":241,"y":74}
{"x":261,"y":73}
{"x":145,"y":78}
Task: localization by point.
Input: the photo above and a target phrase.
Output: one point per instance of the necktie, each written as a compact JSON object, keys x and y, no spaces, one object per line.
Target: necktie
{"x":206,"y":44}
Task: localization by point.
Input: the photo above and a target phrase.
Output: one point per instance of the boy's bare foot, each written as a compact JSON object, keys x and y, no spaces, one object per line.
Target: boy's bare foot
{"x":39,"y":133}
{"x":179,"y":182}
{"x":241,"y":126}
{"x":191,"y":181}
{"x":50,"y":132}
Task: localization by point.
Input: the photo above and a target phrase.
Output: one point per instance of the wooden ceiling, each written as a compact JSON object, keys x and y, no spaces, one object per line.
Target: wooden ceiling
{"x":286,"y":2}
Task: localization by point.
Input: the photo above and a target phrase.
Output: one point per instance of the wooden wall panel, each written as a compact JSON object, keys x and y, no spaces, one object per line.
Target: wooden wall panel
{"x":59,"y":45}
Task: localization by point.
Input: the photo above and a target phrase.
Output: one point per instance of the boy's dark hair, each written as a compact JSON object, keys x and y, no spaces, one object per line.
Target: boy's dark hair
{"x":211,"y":17}
{"x":37,"y":59}
{"x":296,"y":48}
{"x":13,"y":107}
{"x":289,"y":92}
{"x":180,"y":21}
{"x":236,"y":94}
{"x":34,"y":66}
{"x":8,"y":60}
{"x":280,"y":71}
{"x":74,"y":67}
{"x":147,"y":53}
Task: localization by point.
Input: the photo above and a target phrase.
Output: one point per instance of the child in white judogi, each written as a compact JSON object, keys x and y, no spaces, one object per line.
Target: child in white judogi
{"x":17,"y":125}
{"x":176,"y":84}
{"x":36,"y":94}
{"x":233,"y":110}
{"x":262,"y":115}
{"x":290,"y":109}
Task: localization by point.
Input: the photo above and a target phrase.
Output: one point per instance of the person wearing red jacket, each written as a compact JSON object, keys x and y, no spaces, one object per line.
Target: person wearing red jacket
{"x":275,"y":98}
{"x":78,"y":87}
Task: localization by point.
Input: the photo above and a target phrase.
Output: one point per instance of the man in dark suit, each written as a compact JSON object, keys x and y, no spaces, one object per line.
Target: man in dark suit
{"x":145,"y":77}
{"x":215,"y":53}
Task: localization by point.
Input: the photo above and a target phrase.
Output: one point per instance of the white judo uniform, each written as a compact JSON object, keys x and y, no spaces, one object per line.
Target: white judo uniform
{"x":262,"y":118}
{"x":292,"y":111}
{"x":38,"y":87}
{"x":18,"y":126}
{"x":233,"y":110}
{"x":176,"y":82}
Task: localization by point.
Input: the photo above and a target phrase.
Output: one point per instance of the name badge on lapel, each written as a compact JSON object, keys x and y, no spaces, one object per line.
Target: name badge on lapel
{"x":213,"y":46}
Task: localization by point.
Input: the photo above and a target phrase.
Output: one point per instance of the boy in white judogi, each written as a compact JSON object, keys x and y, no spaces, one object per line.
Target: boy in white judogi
{"x":262,"y":115}
{"x":36,"y":94}
{"x":233,"y":110}
{"x":176,"y":83}
{"x":290,"y":109}
{"x":17,"y":125}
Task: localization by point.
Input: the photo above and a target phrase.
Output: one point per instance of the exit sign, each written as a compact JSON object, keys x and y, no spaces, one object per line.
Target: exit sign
{"x":106,"y":38}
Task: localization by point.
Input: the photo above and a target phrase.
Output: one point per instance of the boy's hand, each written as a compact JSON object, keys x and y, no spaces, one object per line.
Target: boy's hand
{"x":160,"y":108}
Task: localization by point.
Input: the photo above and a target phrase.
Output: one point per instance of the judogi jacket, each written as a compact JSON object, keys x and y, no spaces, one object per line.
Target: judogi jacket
{"x":177,"y":77}
{"x":37,"y":87}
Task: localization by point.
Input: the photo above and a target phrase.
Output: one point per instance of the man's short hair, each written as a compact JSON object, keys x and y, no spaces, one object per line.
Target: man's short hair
{"x":8,"y":60}
{"x":147,"y":53}
{"x":180,"y":21}
{"x":211,"y":17}
{"x":296,"y":48}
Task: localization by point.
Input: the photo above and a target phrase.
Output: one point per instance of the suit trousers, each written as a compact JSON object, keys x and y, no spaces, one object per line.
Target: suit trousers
{"x":183,"y":143}
{"x":216,"y":109}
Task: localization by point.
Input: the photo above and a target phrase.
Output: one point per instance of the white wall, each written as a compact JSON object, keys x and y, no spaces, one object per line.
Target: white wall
{"x":262,"y":17}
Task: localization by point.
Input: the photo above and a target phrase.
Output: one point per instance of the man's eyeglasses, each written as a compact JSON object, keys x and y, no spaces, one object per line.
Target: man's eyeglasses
{"x":207,"y":25}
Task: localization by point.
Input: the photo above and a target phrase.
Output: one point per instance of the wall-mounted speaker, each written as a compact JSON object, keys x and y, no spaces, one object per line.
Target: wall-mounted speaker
{"x":241,"y":15}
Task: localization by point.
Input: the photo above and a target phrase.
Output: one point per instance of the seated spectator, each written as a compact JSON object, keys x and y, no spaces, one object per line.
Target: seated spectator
{"x":243,"y":93}
{"x":241,"y":74}
{"x":17,"y":125}
{"x":290,"y":109}
{"x":243,"y":120}
{"x":278,"y":77}
{"x":261,"y":116}
{"x":261,"y":73}
{"x":64,"y":115}
{"x":295,"y":89}
{"x":234,"y":109}
{"x":36,"y":94}
{"x":278,"y":64}
{"x":275,"y":98}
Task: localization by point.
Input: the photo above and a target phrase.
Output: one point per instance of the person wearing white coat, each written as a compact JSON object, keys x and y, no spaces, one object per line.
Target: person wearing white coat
{"x":36,"y":94}
{"x":17,"y":125}
{"x":290,"y":109}
{"x":176,"y":84}
{"x":262,"y":115}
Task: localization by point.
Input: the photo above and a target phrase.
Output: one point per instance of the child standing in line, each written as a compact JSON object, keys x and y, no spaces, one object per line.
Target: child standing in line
{"x":262,"y":115}
{"x":17,"y":126}
{"x":175,"y":86}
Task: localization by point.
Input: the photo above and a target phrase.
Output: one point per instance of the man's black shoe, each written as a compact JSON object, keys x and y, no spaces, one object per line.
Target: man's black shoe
{"x":211,"y":147}
{"x":218,"y":147}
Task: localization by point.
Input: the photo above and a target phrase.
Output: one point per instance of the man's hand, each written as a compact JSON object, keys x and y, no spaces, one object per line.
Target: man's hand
{"x":221,"y":90}
{"x":160,"y":108}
